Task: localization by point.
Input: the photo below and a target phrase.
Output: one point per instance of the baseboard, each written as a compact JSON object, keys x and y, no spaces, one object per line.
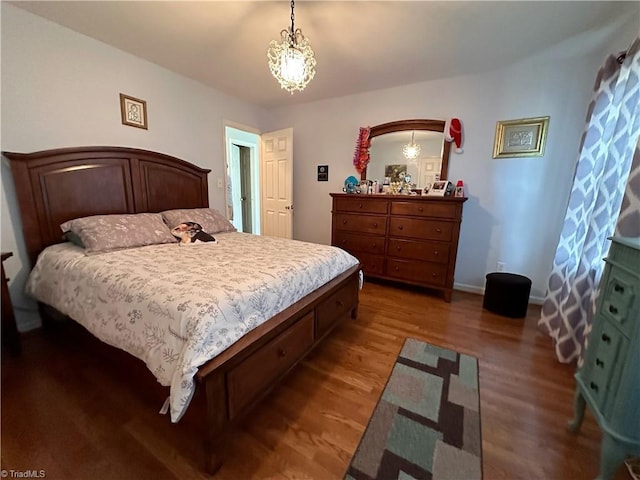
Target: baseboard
{"x":468,"y":288}
{"x":480,"y":291}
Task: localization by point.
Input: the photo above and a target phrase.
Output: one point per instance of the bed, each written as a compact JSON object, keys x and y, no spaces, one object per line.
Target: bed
{"x":236,"y":364}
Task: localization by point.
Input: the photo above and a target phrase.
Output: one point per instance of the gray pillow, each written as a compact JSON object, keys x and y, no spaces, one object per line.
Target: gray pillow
{"x":100,"y":233}
{"x":73,"y":238}
{"x":211,"y":220}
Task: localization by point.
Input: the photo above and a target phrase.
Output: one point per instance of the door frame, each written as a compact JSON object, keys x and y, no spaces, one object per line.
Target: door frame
{"x":255,"y":169}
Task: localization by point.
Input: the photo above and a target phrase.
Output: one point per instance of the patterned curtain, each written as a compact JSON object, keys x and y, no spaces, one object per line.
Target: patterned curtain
{"x":606,"y":152}
{"x":629,"y":219}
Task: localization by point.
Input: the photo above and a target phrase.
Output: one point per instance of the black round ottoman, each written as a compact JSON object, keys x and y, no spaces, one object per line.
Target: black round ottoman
{"x":507,"y":294}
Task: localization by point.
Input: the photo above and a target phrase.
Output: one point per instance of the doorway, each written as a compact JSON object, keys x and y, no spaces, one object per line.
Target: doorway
{"x":243,"y":179}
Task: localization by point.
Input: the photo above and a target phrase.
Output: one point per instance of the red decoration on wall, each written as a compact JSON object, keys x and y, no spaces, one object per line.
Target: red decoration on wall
{"x":453,"y":133}
{"x":361,"y":154}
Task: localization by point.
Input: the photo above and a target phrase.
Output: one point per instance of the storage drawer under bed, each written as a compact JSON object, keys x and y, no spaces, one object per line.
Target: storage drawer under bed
{"x":268,"y":364}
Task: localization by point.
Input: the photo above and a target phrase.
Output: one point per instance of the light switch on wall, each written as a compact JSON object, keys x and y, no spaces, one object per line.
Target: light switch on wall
{"x":220,"y":185}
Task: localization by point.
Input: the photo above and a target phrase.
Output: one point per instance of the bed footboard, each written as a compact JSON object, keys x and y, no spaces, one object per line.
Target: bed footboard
{"x":240,"y":377}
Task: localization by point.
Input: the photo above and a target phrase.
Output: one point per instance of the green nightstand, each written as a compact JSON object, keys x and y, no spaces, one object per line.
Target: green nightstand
{"x":609,"y":380}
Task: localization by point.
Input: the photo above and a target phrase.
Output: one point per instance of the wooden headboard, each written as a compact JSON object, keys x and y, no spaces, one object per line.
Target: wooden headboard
{"x":54,"y":186}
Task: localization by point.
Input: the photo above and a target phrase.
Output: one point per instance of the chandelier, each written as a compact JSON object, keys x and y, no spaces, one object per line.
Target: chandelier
{"x":411,"y":150}
{"x":291,"y":59}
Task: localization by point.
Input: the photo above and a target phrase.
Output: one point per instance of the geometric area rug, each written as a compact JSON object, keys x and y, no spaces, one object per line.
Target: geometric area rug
{"x":426,"y":424}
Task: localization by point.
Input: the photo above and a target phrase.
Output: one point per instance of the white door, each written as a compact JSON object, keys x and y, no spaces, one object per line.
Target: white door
{"x":277,"y":183}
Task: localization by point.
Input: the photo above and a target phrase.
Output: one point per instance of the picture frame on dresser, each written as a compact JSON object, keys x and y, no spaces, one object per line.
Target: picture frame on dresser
{"x":439,"y":188}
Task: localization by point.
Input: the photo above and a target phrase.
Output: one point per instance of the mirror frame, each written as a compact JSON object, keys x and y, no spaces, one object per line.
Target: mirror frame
{"x":415,"y":124}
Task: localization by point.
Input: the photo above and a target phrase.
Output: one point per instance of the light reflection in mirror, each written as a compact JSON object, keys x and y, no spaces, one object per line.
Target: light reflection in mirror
{"x":387,"y":159}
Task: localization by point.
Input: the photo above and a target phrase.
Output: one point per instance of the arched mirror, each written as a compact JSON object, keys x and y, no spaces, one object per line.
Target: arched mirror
{"x":387,"y":156}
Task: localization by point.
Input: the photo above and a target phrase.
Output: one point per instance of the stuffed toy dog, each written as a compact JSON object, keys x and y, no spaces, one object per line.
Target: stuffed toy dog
{"x":190,"y":233}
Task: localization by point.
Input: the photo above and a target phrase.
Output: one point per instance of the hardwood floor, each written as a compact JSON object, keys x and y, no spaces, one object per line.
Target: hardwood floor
{"x":75,"y":409}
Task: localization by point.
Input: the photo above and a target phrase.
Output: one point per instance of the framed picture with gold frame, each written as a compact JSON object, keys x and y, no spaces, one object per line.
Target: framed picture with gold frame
{"x":133,"y":111}
{"x":525,"y":137}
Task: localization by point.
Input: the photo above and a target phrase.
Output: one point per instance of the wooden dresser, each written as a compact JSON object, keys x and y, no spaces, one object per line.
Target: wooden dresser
{"x":410,"y":239}
{"x":609,"y":379}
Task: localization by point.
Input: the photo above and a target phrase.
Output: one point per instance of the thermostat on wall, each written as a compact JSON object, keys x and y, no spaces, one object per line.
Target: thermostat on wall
{"x":323,"y":173}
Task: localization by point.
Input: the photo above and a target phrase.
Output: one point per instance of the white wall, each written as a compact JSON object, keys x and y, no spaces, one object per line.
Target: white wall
{"x":516,"y":207}
{"x":61,"y":89}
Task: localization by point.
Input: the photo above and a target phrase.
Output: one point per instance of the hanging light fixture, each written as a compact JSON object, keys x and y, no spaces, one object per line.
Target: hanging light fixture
{"x":291,"y":59}
{"x":411,"y":150}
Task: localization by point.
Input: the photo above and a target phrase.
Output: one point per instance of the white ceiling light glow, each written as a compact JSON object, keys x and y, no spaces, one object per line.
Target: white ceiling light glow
{"x":411,"y":150}
{"x":291,"y":59}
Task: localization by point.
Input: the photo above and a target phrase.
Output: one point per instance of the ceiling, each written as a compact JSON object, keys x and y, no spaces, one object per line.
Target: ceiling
{"x":359,"y":45}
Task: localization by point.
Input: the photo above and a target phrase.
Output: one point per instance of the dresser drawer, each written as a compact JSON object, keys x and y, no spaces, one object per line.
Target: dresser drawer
{"x":364,"y":205}
{"x":353,"y":242}
{"x":415,"y":249}
{"x":419,"y":228}
{"x":266,"y":365}
{"x":415,"y":271}
{"x":424,"y":209}
{"x":334,"y":308}
{"x":602,"y":370}
{"x":619,"y":297}
{"x":370,"y":264}
{"x":360,"y":223}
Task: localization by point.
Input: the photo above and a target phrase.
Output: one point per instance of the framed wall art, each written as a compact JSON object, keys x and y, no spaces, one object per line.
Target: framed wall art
{"x":525,"y":137}
{"x":133,"y":111}
{"x":395,"y":172}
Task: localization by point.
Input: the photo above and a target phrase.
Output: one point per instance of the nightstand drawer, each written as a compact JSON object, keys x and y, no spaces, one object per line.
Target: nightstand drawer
{"x":602,"y":367}
{"x":619,"y":297}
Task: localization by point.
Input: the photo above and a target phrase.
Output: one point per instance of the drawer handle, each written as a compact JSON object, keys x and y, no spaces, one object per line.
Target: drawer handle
{"x":434,"y":275}
{"x":375,"y":225}
{"x":593,"y":386}
{"x":435,"y":253}
{"x":613,"y":309}
{"x":373,"y":246}
{"x":360,"y":206}
{"x":618,"y":288}
{"x":340,"y":303}
{"x":599,"y":363}
{"x":400,"y":227}
{"x":344,"y":242}
{"x":438,"y":230}
{"x":398,"y":248}
{"x":282,"y":352}
{"x":344,"y":222}
{"x":606,"y":338}
{"x":397,"y":269}
{"x":420,"y":209}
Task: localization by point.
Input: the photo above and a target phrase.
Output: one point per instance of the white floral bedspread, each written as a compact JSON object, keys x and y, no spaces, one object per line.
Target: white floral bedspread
{"x":176,"y":307}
